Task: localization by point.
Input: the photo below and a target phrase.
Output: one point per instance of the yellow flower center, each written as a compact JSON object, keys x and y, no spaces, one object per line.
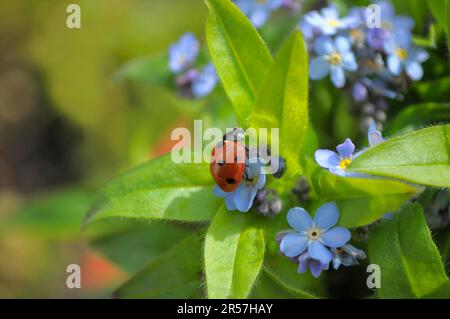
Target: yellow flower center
{"x":333,"y":22}
{"x":335,"y":58}
{"x":356,"y":35}
{"x":314,"y":233}
{"x":401,"y":53}
{"x":345,"y":162}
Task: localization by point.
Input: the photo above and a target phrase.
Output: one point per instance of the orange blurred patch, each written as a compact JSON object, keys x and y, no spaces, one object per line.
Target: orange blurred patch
{"x":98,"y":272}
{"x":164,"y":144}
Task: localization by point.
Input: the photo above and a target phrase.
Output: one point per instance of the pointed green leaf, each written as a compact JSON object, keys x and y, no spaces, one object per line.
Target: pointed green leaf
{"x":159,"y":189}
{"x":240,"y":56}
{"x":234,"y":252}
{"x":421,"y":157}
{"x":408,"y":258}
{"x":361,"y":201}
{"x":283,"y":100}
{"x":176,"y":274}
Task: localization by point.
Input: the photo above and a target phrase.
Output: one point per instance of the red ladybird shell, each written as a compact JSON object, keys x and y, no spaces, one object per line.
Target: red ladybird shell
{"x":228,"y":164}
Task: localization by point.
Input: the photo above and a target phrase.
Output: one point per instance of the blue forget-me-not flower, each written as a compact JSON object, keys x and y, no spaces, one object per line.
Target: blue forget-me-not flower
{"x":338,"y":162}
{"x":316,"y":235}
{"x":328,"y":21}
{"x":402,"y":55}
{"x":183,"y":53}
{"x":334,"y":58}
{"x":373,"y":135}
{"x":242,"y":197}
{"x":346,"y":255}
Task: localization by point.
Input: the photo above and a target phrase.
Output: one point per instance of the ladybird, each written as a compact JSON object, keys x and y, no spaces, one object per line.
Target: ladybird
{"x":228,"y":164}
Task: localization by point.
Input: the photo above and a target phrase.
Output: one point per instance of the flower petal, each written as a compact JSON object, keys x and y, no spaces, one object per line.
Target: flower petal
{"x":349,"y":61}
{"x":259,"y":17}
{"x":243,"y":197}
{"x":229,"y":202}
{"x":414,"y":70}
{"x":420,"y":54}
{"x":336,"y":262}
{"x":337,"y":76}
{"x":218,"y":192}
{"x":394,"y":65}
{"x":261,"y":181}
{"x":342,"y":44}
{"x":323,"y":45}
{"x":336,"y":237}
{"x":359,"y":92}
{"x":205,"y":82}
{"x":293,"y":244}
{"x":373,"y":135}
{"x":327,"y":159}
{"x":346,"y":149}
{"x":303,"y":262}
{"x":299,"y":219}
{"x":403,"y":23}
{"x":318,"y":68}
{"x":330,"y":12}
{"x":326,"y":215}
{"x":319,"y":252}
{"x":316,"y":268}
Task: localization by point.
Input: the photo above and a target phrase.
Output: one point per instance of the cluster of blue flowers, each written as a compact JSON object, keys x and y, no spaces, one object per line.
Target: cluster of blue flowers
{"x":315,"y":243}
{"x":376,"y":61}
{"x":191,"y":81}
{"x":259,"y":11}
{"x":338,"y":162}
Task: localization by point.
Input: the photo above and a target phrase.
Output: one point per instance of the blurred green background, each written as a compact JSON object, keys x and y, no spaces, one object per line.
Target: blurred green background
{"x":66,"y":128}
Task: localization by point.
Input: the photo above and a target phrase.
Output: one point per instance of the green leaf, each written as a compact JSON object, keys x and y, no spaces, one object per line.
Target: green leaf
{"x":176,"y":274}
{"x":361,"y":201}
{"x":268,"y":288}
{"x":437,"y":8}
{"x":149,"y":70}
{"x":284,"y":272}
{"x":283,"y":100}
{"x":240,"y":56}
{"x":408,"y":258}
{"x":139,"y":243}
{"x":159,"y":189}
{"x":53,"y":215}
{"x":418,"y":115}
{"x":234,"y":252}
{"x":421,"y":157}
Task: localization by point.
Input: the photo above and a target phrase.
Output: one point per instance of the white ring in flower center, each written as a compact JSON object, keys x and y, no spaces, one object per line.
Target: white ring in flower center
{"x":314,"y":233}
